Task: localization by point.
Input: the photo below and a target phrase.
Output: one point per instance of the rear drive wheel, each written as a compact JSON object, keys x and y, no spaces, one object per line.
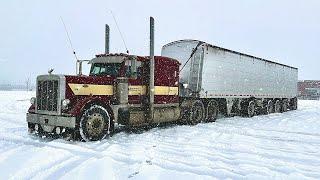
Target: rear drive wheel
{"x":212,"y":111}
{"x":196,"y":114}
{"x":277,"y":106}
{"x":95,"y":123}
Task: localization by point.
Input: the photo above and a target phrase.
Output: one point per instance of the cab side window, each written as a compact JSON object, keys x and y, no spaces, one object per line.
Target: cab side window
{"x":95,"y":69}
{"x":129,"y":72}
{"x":139,"y":69}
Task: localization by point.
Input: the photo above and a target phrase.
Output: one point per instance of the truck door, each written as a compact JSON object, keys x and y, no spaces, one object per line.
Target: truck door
{"x":137,"y":88}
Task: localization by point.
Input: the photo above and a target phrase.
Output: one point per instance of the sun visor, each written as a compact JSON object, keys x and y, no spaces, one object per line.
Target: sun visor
{"x":108,"y":59}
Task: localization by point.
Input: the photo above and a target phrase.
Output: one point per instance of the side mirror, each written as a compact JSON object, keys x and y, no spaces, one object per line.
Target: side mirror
{"x":79,"y":66}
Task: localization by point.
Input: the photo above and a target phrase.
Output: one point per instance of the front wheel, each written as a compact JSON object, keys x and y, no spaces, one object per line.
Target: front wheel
{"x":95,"y":123}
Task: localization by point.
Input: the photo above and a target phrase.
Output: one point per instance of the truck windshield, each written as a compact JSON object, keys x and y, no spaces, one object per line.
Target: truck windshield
{"x":102,"y":69}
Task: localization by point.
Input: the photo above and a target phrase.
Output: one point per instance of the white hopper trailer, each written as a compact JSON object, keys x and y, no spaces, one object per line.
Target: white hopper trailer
{"x":221,"y":80}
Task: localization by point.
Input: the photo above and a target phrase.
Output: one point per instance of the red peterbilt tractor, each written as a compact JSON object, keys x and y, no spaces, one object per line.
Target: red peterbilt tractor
{"x":120,"y":89}
{"x":135,"y":91}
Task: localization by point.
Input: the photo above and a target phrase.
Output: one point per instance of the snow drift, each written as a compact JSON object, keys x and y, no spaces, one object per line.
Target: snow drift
{"x":276,"y":146}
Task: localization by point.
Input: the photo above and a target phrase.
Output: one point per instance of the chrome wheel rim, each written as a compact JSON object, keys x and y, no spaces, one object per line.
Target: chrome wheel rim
{"x":270,"y":107}
{"x":278,"y":107}
{"x":251,"y":109}
{"x":285,"y":107}
{"x":95,"y":124}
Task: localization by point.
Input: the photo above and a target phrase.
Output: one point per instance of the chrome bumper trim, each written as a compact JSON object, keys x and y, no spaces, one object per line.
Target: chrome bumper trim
{"x":48,"y":120}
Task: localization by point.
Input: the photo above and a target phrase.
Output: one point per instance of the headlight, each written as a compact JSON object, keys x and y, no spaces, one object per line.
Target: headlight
{"x":33,"y":100}
{"x":65,"y":103}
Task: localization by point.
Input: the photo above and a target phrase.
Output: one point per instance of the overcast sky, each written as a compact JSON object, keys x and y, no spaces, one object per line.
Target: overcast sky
{"x":33,"y":38}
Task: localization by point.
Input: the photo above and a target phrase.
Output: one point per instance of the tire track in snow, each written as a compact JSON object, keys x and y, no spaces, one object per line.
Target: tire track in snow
{"x":31,"y":172}
{"x":60,"y":169}
{"x":102,"y":144}
{"x":226,"y":125}
{"x":170,"y":144}
{"x":234,"y":148}
{"x":234,"y":162}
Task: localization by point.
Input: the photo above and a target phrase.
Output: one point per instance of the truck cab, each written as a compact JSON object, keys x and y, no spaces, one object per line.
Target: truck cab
{"x":114,"y":93}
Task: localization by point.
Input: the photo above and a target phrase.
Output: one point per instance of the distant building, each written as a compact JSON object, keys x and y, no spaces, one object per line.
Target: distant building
{"x":309,"y":89}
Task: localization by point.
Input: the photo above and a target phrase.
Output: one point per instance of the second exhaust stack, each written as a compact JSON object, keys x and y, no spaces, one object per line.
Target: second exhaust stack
{"x":107,"y":39}
{"x":151,"y":81}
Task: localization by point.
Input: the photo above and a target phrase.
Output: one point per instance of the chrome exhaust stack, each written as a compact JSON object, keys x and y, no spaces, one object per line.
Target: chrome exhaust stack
{"x":122,"y":91}
{"x":107,"y":39}
{"x":151,"y":80}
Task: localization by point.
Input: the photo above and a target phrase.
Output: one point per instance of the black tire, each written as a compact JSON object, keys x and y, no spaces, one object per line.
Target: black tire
{"x":31,"y":129}
{"x":196,"y":113}
{"x":251,"y":109}
{"x":71,"y":134}
{"x":294,"y":104}
{"x":95,"y":123}
{"x":284,"y":105}
{"x":277,"y":106}
{"x":40,"y":132}
{"x":212,"y":111}
{"x":270,"y":107}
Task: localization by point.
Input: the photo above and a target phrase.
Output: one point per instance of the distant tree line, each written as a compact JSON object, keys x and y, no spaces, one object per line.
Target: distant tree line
{"x":11,"y":87}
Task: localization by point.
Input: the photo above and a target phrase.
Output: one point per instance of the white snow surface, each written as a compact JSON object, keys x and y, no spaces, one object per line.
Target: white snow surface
{"x":276,"y":146}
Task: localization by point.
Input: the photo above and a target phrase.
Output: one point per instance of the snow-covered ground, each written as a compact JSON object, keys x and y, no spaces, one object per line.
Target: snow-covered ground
{"x":277,"y":146}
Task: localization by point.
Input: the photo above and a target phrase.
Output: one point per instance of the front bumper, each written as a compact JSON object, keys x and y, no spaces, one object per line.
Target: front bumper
{"x":49,"y":122}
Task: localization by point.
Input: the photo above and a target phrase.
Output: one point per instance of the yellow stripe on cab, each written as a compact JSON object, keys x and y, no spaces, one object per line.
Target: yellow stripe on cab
{"x":107,"y":90}
{"x":91,"y":89}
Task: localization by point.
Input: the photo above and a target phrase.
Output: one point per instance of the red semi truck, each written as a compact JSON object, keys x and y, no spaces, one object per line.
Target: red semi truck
{"x":133,"y":91}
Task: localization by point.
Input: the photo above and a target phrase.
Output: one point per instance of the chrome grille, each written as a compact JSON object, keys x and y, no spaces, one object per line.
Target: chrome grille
{"x":47,"y":95}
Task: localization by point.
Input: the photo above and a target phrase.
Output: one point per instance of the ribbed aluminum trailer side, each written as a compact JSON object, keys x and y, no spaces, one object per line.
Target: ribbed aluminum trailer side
{"x":232,"y":78}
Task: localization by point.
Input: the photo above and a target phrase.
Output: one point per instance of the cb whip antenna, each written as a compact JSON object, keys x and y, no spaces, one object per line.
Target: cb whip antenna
{"x":69,"y":39}
{"x":124,"y":43}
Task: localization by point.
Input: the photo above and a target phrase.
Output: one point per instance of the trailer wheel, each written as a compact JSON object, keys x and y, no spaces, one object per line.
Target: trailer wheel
{"x":212,"y":111}
{"x":294,"y":104}
{"x":270,"y":107}
{"x":284,"y":105}
{"x":251,"y":108}
{"x":95,"y":123}
{"x":277,"y":106}
{"x":196,"y":114}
